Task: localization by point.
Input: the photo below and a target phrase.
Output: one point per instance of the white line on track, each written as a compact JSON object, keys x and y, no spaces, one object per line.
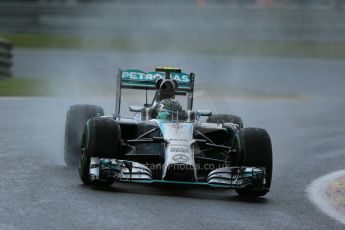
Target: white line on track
{"x":316,"y":192}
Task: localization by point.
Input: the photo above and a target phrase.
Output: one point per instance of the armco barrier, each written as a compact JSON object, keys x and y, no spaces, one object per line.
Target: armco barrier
{"x":5,"y":58}
{"x":221,"y":20}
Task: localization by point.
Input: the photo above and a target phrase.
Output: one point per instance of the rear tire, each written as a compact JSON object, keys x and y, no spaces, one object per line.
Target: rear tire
{"x":101,"y":138}
{"x":219,"y":118}
{"x":76,"y":117}
{"x":256,"y":151}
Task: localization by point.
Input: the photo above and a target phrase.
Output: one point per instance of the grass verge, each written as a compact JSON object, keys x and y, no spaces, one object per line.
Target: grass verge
{"x":19,"y":86}
{"x":223,"y":47}
{"x":23,"y":87}
{"x":30,"y":87}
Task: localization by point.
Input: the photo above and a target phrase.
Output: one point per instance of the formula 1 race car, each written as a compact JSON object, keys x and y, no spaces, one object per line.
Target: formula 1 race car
{"x":163,"y":143}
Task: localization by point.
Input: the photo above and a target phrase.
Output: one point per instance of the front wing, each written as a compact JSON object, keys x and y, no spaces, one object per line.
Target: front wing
{"x":134,"y":172}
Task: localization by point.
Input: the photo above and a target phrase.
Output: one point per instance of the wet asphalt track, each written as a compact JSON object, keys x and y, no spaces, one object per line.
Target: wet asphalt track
{"x":38,"y":192}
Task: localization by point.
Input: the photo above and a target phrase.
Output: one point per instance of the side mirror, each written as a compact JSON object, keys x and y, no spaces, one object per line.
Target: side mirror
{"x":136,"y":109}
{"x":203,"y":113}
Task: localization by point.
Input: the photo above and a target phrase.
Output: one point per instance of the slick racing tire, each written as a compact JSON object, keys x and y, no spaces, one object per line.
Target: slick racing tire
{"x":256,"y":151}
{"x":101,"y":138}
{"x":76,"y":117}
{"x":219,"y":118}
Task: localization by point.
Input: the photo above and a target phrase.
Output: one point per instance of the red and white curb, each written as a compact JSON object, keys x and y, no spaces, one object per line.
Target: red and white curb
{"x":318,"y":193}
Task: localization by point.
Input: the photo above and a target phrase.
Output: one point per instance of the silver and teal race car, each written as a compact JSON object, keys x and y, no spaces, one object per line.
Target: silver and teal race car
{"x":164,"y":143}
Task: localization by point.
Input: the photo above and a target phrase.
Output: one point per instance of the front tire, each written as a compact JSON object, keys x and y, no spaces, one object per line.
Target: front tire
{"x":101,"y":138}
{"x":256,"y":151}
{"x":76,"y":117}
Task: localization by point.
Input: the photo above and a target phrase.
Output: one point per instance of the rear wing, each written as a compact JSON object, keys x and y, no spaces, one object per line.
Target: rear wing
{"x":137,"y":79}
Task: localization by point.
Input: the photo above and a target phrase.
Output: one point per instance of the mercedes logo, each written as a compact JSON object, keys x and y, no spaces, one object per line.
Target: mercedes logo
{"x":180,"y":158}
